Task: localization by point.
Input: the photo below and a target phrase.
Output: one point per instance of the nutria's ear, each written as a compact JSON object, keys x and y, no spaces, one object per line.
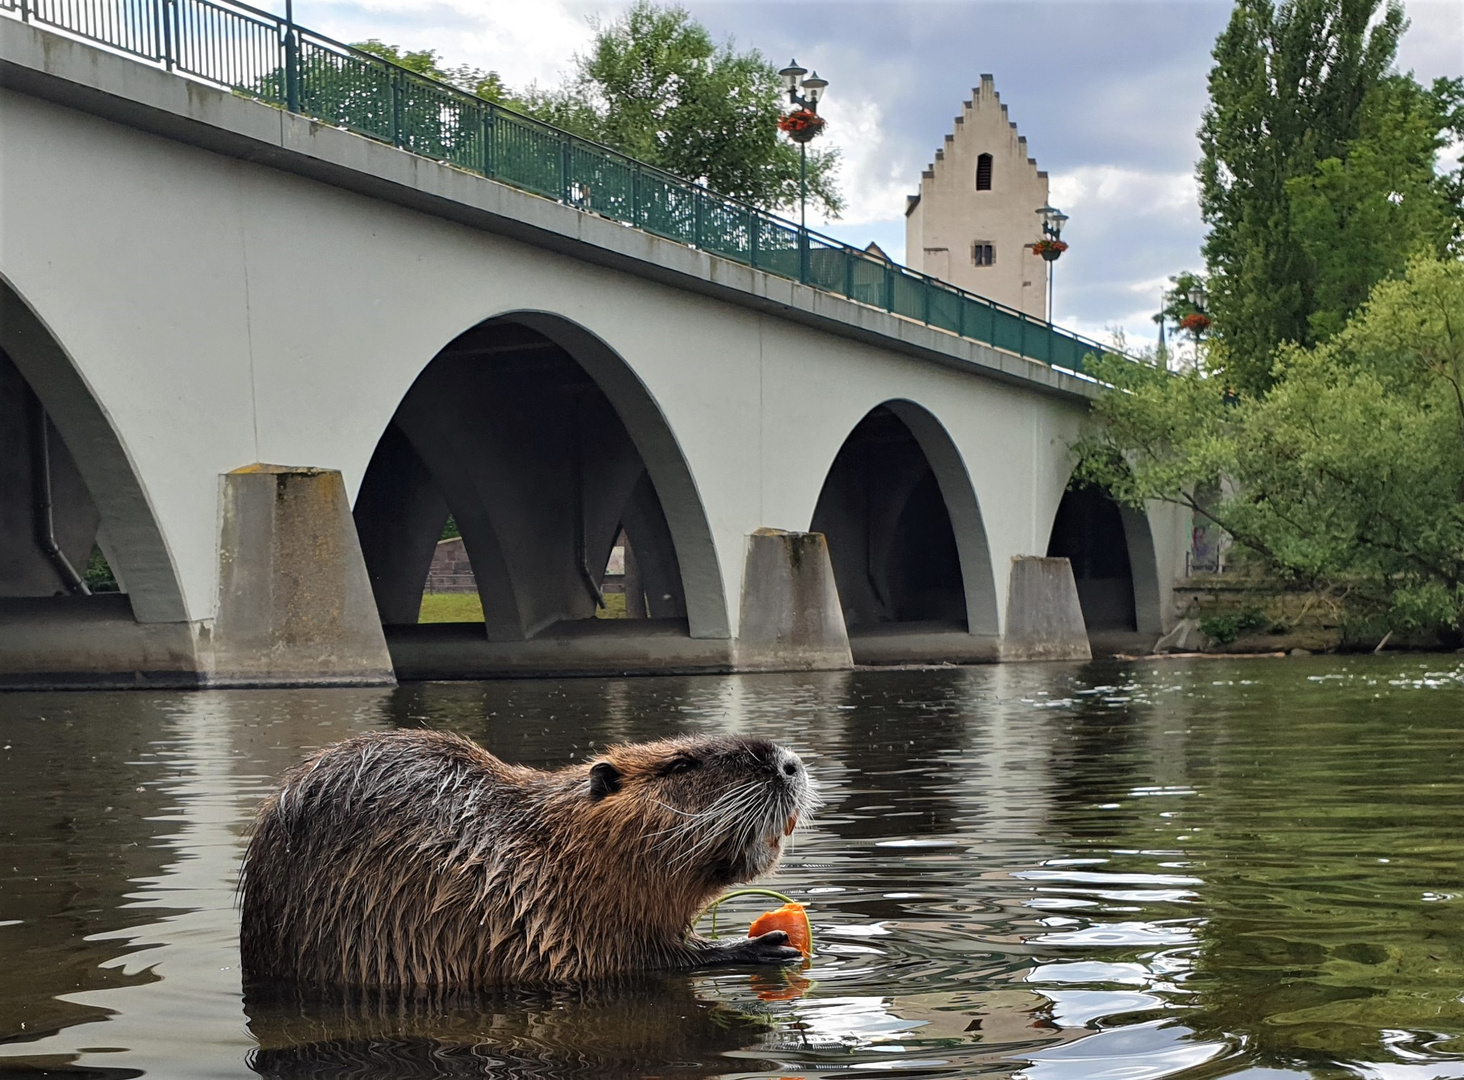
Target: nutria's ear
{"x":604,"y":780}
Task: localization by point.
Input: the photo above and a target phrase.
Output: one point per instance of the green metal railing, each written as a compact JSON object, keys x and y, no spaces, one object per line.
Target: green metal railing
{"x":255,"y":53}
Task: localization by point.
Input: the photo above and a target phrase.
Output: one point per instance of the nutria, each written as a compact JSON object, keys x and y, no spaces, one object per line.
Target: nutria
{"x":418,"y":859}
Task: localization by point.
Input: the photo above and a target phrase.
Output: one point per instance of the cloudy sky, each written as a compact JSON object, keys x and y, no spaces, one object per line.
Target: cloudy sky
{"x":1107,"y":92}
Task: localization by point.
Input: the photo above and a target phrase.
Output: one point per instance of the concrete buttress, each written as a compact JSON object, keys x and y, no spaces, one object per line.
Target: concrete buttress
{"x":295,"y":604}
{"x":791,"y":617}
{"x":1044,"y":620}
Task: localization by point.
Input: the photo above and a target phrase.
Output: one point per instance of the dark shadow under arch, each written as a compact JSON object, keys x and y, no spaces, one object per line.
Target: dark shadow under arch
{"x":1111,"y":550}
{"x":543,"y":444}
{"x":905,"y":533}
{"x":119,"y":510}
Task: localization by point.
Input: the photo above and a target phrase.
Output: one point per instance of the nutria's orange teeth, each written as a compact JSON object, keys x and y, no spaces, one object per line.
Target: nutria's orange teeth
{"x":791,"y":825}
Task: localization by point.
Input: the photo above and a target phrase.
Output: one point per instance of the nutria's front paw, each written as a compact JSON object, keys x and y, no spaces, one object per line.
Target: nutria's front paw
{"x":766,"y":949}
{"x":772,"y":948}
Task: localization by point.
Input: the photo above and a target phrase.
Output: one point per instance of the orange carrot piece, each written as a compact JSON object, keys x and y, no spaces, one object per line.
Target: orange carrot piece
{"x":792,"y":920}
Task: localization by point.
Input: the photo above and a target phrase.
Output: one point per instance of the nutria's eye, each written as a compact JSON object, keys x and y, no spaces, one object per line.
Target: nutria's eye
{"x":682,"y":765}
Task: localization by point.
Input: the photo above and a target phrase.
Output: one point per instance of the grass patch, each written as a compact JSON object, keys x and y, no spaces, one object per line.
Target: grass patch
{"x":466,"y":607}
{"x":451,"y":607}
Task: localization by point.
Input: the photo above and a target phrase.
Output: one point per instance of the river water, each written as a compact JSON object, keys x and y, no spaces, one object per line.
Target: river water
{"x":1203,"y":868}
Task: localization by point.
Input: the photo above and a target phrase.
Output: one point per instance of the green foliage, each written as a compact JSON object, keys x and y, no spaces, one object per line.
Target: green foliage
{"x":1348,"y":474}
{"x":1317,"y":176}
{"x":1226,"y":628}
{"x":654,"y":85}
{"x":484,"y":84}
{"x":449,"y":529}
{"x":98,"y":574}
{"x":1177,"y":302}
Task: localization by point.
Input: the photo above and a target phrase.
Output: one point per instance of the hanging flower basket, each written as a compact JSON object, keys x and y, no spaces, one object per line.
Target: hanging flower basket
{"x":1195,"y":323}
{"x":802,"y":125}
{"x":1049,"y":250}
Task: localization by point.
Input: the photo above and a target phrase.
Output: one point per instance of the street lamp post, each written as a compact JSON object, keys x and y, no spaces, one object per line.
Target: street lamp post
{"x":1197,"y":298}
{"x":1051,"y":245}
{"x":813,"y":91}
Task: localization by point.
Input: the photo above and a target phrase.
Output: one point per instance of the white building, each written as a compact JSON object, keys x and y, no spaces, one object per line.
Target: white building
{"x":974,"y":221}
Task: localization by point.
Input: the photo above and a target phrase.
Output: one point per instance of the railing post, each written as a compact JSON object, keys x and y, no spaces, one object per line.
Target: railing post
{"x":25,"y":10}
{"x":635,"y":195}
{"x":292,"y":60}
{"x":396,"y":106}
{"x":889,"y":288}
{"x":490,"y":116}
{"x":564,"y":170}
{"x":849,"y":273}
{"x":696,"y":218}
{"x":803,"y":267}
{"x":170,"y":51}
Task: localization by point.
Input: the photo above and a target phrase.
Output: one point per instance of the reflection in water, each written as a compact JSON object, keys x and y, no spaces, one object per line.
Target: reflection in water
{"x":658,"y":1025}
{"x":1217,"y":868}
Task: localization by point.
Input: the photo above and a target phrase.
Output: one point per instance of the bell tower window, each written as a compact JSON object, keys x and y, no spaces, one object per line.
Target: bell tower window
{"x":983,"y":253}
{"x":983,"y":173}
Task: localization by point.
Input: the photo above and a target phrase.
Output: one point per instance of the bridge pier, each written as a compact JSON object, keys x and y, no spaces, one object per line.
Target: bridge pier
{"x":295,"y":605}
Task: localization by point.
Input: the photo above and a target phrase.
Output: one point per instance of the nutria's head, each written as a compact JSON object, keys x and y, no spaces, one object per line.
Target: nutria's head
{"x":711,"y":810}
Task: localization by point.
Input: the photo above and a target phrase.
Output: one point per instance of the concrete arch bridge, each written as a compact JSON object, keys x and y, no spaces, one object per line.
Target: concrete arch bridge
{"x":257,"y":360}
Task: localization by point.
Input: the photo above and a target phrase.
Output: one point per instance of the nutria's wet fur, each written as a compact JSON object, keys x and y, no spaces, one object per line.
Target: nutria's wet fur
{"x":418,"y":859}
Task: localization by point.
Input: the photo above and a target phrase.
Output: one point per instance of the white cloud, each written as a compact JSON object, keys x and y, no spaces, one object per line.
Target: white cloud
{"x":1103,"y":188}
{"x":873,"y":178}
{"x":524,"y":43}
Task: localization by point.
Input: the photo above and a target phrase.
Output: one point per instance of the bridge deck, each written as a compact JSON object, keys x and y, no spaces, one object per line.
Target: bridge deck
{"x":840,"y":291}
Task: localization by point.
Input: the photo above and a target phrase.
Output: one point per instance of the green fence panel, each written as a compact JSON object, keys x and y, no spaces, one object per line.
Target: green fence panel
{"x":1006,"y":331}
{"x":945,"y":308}
{"x":827,"y":266}
{"x":527,"y":155}
{"x":601,"y":183}
{"x":667,"y":207}
{"x":776,"y":247}
{"x":223,"y":46}
{"x":726,"y":228}
{"x":908,"y":298}
{"x":436,"y":123}
{"x":867,"y":282}
{"x":345,"y":89}
{"x":130,"y":25}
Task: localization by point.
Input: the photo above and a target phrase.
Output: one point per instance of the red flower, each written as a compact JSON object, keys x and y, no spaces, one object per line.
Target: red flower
{"x":801,"y":124}
{"x":1195,"y":323}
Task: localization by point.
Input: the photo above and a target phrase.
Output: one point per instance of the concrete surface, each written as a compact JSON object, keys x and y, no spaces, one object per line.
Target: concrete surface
{"x":1044,"y":618}
{"x":791,"y":619}
{"x":295,"y":604}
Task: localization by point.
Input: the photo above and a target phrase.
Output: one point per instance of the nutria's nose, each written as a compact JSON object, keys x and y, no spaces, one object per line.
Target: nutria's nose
{"x":788,"y":763}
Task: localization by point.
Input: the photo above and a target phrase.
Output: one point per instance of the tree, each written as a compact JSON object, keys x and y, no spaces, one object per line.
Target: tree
{"x":1307,"y":136}
{"x":1348,"y":473}
{"x":484,"y":84}
{"x":655,"y":86}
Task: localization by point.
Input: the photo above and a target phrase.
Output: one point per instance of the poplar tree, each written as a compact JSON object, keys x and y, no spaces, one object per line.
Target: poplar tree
{"x":1317,"y":177}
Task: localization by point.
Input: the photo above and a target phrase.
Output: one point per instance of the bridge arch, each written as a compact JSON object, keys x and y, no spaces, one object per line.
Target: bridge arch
{"x":543,"y":444}
{"x":98,"y":497}
{"x":904,"y":527}
{"x":1111,"y":549}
